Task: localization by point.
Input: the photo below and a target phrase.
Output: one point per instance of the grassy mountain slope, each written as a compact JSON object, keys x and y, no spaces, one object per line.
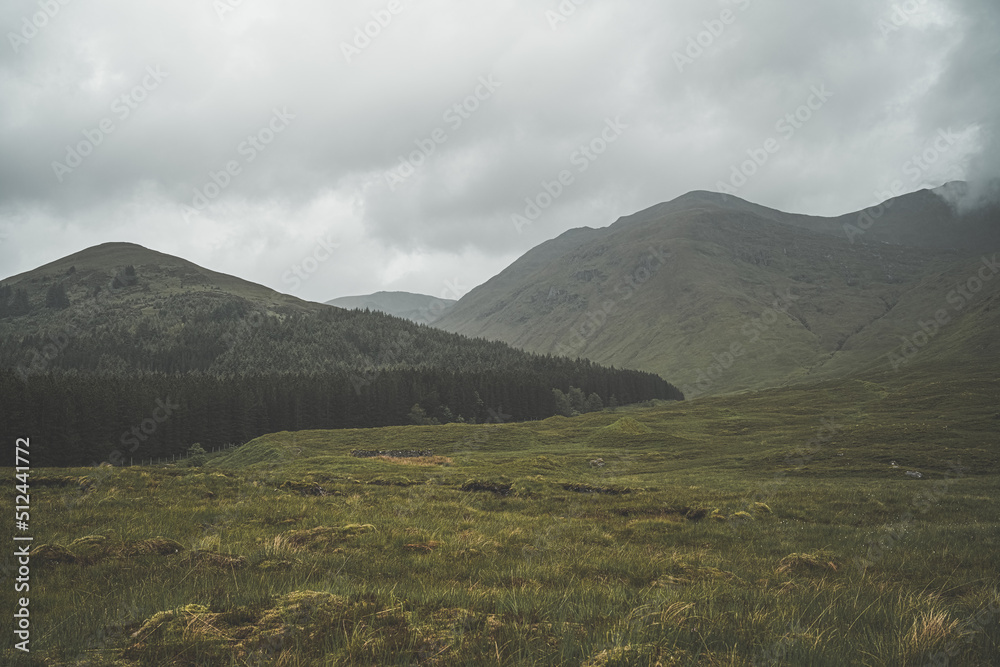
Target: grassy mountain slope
{"x":680,"y":287}
{"x":165,"y":275}
{"x":171,"y":315}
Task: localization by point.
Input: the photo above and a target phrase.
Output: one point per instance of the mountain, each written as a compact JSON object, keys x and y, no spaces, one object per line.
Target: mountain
{"x":418,"y":308}
{"x":721,"y":294}
{"x":120,"y":349}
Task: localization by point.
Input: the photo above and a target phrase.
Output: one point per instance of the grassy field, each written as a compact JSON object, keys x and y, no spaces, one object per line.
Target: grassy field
{"x":759,"y":529}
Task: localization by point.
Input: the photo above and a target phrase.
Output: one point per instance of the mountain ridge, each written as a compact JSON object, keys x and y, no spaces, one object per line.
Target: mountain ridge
{"x":787,"y":290}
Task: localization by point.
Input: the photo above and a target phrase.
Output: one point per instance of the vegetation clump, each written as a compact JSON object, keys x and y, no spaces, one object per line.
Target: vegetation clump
{"x":499,"y":488}
{"x":161,"y":546}
{"x":322,"y":537}
{"x":807,"y":562}
{"x":52,"y":553}
{"x":197,"y":456}
{"x":295,"y":628}
{"x":606,"y":490}
{"x":305,"y":488}
{"x":629,"y":426}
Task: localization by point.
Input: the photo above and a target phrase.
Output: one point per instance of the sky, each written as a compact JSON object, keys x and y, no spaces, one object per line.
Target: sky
{"x":423,"y":145}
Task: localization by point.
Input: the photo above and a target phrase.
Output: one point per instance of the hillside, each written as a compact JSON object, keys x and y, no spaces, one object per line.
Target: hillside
{"x":106,"y":338}
{"x":721,"y":294}
{"x":419,"y":308}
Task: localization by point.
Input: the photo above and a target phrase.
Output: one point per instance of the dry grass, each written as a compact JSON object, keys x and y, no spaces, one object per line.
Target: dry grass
{"x":807,"y":562}
{"x":930,"y":632}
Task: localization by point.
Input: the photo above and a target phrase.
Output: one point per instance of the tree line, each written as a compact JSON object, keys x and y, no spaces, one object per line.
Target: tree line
{"x":83,"y":419}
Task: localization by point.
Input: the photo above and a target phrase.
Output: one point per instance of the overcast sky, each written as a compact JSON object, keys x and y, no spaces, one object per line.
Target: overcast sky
{"x":261,"y":138}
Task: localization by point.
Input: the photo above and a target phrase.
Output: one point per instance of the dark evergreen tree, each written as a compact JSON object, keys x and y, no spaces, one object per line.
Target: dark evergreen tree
{"x":55,"y":297}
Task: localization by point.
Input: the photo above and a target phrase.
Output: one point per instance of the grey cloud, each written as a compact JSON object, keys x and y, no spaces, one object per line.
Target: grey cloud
{"x":353,"y":120}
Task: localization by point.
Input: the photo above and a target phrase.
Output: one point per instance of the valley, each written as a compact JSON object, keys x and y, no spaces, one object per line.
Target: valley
{"x":289,"y":482}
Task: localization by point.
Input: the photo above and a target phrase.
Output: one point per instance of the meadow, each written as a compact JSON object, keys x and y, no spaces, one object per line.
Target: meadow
{"x":762,"y":528}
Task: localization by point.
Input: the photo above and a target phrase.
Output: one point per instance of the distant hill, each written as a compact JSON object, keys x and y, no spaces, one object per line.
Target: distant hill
{"x":121,"y":349}
{"x":720,"y":294}
{"x":418,"y":308}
